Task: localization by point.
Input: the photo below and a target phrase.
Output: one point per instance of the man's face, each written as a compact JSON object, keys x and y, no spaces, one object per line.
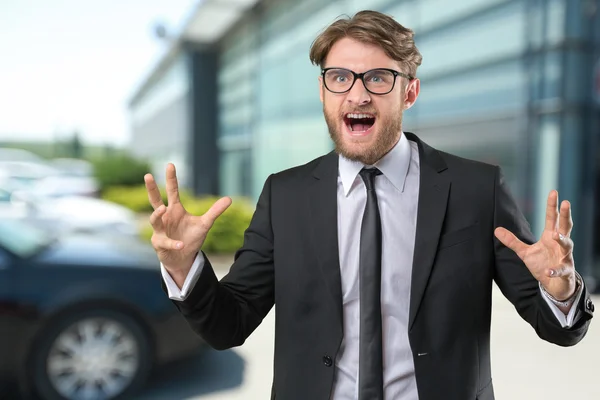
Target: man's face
{"x":355,"y":137}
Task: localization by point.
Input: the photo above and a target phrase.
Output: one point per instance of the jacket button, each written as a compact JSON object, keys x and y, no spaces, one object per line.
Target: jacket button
{"x":327,"y":361}
{"x":589,"y":305}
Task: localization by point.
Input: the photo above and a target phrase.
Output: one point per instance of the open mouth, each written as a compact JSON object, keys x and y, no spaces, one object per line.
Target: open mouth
{"x":359,"y":123}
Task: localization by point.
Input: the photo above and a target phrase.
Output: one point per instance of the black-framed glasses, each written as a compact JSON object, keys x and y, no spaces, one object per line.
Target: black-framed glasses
{"x":376,"y":81}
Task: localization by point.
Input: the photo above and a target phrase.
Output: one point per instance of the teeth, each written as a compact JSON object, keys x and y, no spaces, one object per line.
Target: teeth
{"x":359,"y":116}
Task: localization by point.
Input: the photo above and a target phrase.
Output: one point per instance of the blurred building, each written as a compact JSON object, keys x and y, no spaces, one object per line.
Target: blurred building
{"x":510,"y":82}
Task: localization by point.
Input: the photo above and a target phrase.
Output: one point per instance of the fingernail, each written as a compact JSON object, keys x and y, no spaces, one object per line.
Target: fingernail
{"x":552,"y":272}
{"x":178,"y":245}
{"x":561,"y":236}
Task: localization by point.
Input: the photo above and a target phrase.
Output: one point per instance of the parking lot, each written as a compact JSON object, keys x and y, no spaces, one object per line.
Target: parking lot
{"x":523,"y":366}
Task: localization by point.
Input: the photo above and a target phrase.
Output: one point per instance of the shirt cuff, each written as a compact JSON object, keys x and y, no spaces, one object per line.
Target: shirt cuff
{"x":566,"y":321}
{"x":190,"y":280}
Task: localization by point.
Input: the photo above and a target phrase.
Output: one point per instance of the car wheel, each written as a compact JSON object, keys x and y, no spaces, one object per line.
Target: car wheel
{"x":98,"y":355}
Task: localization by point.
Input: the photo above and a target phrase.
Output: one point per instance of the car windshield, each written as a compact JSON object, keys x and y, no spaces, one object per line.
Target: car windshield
{"x":23,"y":239}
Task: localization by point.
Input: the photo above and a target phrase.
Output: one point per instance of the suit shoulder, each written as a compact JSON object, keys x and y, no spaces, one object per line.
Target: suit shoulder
{"x":468,"y":167}
{"x":299,"y":172}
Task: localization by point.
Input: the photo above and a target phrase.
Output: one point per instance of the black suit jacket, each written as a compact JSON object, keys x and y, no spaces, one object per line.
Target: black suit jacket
{"x":290,"y":258}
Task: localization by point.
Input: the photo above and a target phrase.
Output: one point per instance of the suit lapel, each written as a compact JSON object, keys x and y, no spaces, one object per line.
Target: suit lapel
{"x":434,"y":188}
{"x":322,"y":195}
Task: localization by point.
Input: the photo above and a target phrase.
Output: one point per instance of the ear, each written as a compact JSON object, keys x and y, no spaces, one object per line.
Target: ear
{"x":321,"y":88}
{"x":411,"y":93}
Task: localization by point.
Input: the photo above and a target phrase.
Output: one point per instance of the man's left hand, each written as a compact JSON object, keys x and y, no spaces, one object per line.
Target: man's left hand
{"x":550,"y":260}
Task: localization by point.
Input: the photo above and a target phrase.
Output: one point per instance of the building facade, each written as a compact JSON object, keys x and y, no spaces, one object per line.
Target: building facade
{"x":510,"y":82}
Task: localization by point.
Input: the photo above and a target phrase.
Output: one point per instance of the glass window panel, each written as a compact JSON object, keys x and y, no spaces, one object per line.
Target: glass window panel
{"x":299,"y":36}
{"x":236,"y":91}
{"x":581,"y":19}
{"x":305,"y":85}
{"x":496,"y":34}
{"x":556,"y":21}
{"x":274,"y":81}
{"x":172,"y":85}
{"x":551,"y":83}
{"x":236,"y":116}
{"x":547,"y":167}
{"x":405,"y":13}
{"x":490,"y":89}
{"x":535,"y":26}
{"x":577,"y":90}
{"x":492,"y":140}
{"x":483,"y":103}
{"x":436,"y":12}
{"x":238,"y":69}
{"x":287,"y":142}
{"x":236,"y":173}
{"x":354,"y":6}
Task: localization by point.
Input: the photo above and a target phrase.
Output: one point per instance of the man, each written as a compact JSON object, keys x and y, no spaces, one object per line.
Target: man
{"x":380,"y":256}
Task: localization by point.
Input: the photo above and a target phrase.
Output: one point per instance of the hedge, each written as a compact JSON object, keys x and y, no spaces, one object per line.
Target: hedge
{"x":136,"y":197}
{"x":119,"y":169}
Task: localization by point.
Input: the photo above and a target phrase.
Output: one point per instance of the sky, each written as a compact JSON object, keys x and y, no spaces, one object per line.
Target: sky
{"x":73,"y":65}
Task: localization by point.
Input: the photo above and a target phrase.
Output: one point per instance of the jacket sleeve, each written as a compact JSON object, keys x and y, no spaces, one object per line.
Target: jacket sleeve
{"x":225,"y":313}
{"x":518,"y":284}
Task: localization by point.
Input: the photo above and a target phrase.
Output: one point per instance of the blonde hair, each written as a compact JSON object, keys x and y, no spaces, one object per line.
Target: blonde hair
{"x":370,"y":27}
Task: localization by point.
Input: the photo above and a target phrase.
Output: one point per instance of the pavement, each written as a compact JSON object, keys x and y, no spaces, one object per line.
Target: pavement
{"x":523,"y":366}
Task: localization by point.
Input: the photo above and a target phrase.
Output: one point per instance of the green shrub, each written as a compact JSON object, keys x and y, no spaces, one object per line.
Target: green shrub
{"x":119,"y":170}
{"x":136,"y":197}
{"x":227,"y":233}
{"x":132,"y":197}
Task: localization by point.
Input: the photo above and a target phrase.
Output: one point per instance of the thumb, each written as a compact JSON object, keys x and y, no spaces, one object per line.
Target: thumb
{"x":511,"y":241}
{"x":216,"y":210}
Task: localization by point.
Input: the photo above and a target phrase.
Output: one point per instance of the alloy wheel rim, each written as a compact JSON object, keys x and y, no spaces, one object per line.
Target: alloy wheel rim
{"x":94,"y":359}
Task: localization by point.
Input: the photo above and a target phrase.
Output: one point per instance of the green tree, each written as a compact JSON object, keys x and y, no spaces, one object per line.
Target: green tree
{"x":75,"y":147}
{"x":120,"y":170}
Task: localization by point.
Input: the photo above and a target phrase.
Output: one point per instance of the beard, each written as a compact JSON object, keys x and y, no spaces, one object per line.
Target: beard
{"x":386,"y":136}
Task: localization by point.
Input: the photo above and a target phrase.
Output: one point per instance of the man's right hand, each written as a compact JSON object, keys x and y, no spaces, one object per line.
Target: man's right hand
{"x":178,"y":235}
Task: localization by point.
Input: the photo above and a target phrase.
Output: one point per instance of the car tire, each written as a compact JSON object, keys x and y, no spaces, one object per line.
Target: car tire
{"x":87,"y":351}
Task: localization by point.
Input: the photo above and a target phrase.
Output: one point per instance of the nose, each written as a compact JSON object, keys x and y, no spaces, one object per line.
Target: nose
{"x":358,"y":94}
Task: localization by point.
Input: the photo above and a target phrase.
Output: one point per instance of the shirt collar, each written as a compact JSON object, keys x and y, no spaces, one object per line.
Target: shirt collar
{"x":394,"y":165}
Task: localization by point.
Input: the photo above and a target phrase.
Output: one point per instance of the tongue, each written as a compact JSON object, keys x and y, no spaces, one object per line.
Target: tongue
{"x":360,"y":127}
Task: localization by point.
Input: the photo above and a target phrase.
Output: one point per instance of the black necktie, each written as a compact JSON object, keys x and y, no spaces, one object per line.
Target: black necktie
{"x":370,"y":376}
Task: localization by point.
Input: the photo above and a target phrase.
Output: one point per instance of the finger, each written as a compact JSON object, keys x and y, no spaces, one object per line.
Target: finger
{"x":215,"y":211}
{"x":552,"y":211}
{"x":511,"y":241}
{"x":160,"y":241}
{"x":565,"y":222}
{"x":153,"y":192}
{"x":565,"y":242}
{"x":172,"y":185}
{"x":156,"y":219}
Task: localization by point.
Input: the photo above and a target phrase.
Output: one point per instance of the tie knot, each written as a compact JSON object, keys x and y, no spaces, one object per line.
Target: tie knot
{"x":368,"y":176}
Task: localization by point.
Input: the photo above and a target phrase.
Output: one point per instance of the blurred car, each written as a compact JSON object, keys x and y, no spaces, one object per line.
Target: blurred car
{"x":63,"y":178}
{"x":73,"y":177}
{"x":25,"y":174}
{"x":83,"y":317}
{"x":67,"y":214}
{"x":73,"y":166}
{"x":16,"y":154}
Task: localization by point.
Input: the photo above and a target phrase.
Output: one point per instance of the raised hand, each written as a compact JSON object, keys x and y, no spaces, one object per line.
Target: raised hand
{"x":550,"y":260}
{"x":178,"y":235}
